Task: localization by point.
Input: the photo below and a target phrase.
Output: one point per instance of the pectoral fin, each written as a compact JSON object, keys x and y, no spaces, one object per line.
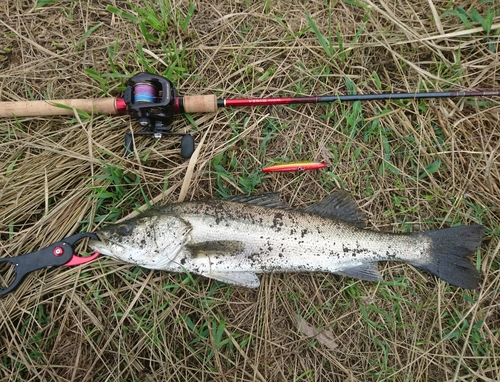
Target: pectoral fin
{"x":246,"y":279}
{"x":223,"y":248}
{"x":367,"y":272}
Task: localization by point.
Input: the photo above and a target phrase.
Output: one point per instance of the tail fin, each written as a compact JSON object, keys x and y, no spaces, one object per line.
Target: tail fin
{"x":450,"y":248}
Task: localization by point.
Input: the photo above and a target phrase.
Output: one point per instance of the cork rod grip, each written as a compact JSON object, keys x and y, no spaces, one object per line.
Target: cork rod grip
{"x":40,"y":108}
{"x":200,"y":104}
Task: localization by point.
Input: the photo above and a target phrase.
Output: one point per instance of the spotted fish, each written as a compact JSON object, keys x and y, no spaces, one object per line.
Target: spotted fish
{"x":233,"y":240}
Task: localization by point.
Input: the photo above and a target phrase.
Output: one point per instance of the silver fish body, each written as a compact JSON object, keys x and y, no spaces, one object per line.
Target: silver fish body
{"x":233,"y":240}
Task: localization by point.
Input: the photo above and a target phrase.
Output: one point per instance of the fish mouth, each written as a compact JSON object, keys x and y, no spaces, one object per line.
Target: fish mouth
{"x":110,"y":247}
{"x":102,"y":245}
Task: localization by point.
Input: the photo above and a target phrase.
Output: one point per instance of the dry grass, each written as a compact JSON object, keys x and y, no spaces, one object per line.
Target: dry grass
{"x":111,"y":321}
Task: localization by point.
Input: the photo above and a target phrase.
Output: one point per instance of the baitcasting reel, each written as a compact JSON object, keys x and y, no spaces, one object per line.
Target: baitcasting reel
{"x":152,"y":100}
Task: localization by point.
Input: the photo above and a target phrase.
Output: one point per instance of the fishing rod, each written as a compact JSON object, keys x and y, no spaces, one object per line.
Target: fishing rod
{"x":153,"y":100}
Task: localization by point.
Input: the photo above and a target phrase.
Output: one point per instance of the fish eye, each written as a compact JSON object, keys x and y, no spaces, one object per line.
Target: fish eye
{"x":124,"y":229}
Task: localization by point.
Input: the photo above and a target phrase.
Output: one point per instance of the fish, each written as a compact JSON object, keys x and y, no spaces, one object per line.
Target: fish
{"x":233,"y":240}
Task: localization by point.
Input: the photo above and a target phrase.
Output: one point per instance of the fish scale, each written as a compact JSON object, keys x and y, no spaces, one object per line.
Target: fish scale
{"x":290,"y":239}
{"x":233,"y":240}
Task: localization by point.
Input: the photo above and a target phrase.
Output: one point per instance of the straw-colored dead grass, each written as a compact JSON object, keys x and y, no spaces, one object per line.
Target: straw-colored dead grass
{"x":111,"y":321}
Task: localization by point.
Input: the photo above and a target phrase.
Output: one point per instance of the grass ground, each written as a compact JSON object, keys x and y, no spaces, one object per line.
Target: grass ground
{"x":411,"y":165}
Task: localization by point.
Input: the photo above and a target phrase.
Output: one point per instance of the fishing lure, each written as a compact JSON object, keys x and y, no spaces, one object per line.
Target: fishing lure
{"x":295,"y":166}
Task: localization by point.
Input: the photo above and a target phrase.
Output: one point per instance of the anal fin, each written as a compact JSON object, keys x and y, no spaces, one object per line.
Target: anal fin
{"x":368,"y":271}
{"x":246,"y":279}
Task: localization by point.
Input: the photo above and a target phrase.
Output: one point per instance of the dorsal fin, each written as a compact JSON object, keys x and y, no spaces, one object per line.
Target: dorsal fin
{"x":270,"y":200}
{"x":339,"y":205}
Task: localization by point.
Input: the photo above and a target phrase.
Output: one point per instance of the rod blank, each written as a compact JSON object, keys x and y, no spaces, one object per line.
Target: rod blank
{"x":351,"y":98}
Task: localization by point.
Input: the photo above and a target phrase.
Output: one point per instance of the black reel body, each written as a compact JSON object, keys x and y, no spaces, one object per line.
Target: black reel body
{"x":152,"y":100}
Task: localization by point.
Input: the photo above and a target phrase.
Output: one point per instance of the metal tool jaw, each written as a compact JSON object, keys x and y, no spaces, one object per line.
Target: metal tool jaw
{"x":57,"y":254}
{"x":154,"y":111}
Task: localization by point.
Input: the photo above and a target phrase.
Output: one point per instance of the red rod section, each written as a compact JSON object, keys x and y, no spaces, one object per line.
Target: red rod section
{"x":353,"y":97}
{"x":269,"y":101}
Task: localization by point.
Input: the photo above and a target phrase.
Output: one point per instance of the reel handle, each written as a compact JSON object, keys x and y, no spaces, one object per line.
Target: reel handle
{"x":187,"y":142}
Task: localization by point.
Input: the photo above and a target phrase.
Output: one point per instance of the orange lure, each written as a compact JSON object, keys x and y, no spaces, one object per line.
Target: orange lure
{"x":295,"y":166}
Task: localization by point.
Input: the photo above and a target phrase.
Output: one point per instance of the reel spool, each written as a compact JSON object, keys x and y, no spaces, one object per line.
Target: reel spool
{"x":152,"y":100}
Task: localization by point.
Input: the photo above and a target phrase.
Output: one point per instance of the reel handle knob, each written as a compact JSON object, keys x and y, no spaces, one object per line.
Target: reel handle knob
{"x":129,"y":144}
{"x":187,"y":146}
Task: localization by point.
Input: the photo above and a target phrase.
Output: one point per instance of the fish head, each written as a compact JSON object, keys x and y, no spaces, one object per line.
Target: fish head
{"x":150,"y":240}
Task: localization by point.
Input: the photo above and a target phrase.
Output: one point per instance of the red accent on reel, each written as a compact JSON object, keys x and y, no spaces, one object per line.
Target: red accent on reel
{"x":120,"y":106}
